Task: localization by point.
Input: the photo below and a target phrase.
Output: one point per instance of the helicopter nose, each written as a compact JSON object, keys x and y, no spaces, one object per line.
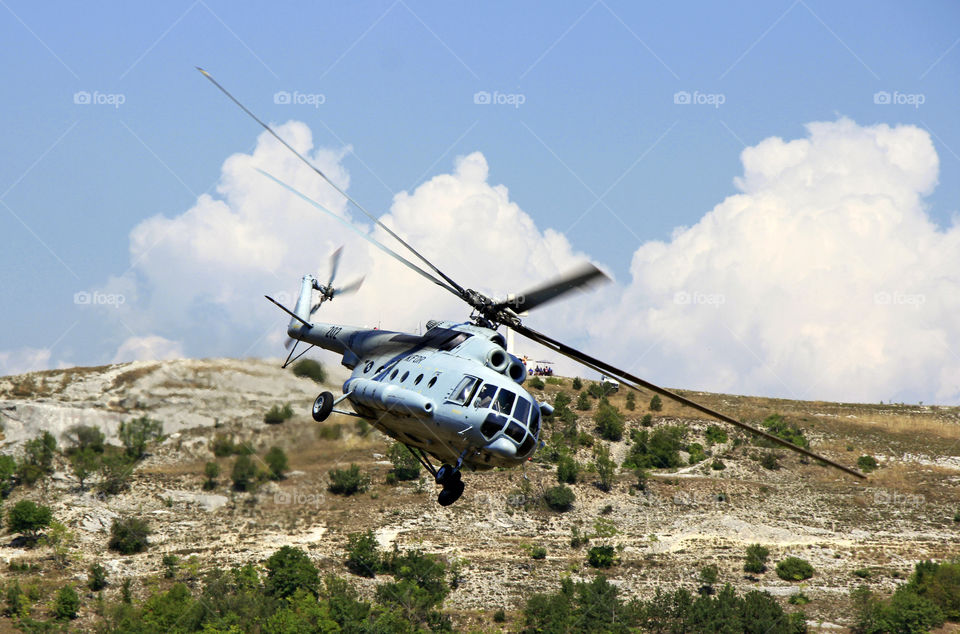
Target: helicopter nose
{"x":502,"y":447}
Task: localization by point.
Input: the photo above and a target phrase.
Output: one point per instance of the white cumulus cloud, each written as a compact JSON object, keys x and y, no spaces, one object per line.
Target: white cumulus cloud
{"x":823,"y":278}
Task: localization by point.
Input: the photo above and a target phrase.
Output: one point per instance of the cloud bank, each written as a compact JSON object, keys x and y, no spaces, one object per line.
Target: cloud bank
{"x":822,"y":278}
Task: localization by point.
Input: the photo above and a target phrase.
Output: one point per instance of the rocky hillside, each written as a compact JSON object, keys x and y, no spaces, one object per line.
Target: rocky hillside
{"x":852,"y":532}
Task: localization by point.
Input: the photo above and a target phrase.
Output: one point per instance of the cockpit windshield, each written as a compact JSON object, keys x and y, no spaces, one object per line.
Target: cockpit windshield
{"x":504,"y":402}
{"x":485,"y":396}
{"x":522,"y":412}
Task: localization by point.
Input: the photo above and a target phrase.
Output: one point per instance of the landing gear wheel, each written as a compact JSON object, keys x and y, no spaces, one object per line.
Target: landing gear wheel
{"x":451,"y":493}
{"x":447,"y":474}
{"x":322,"y":406}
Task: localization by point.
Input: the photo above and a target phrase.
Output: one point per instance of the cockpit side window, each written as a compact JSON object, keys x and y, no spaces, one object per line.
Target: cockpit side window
{"x":535,"y":420}
{"x":485,"y":396}
{"x":464,"y":390}
{"x":504,"y":402}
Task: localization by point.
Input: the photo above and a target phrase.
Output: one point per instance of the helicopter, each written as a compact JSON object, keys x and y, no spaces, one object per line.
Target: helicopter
{"x":453,"y":393}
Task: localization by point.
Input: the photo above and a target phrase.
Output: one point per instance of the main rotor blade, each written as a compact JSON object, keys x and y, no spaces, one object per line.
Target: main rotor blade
{"x":460,"y":290}
{"x":363,"y":235}
{"x":581,"y":276}
{"x":334,"y":263}
{"x":637,"y":382}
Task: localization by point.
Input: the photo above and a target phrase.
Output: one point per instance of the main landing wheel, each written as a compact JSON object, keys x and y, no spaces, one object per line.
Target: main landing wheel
{"x":322,"y":406}
{"x":446,"y":475}
{"x":451,"y":493}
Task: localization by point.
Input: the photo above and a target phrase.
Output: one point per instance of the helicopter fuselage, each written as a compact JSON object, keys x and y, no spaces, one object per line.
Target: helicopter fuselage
{"x":454,"y":391}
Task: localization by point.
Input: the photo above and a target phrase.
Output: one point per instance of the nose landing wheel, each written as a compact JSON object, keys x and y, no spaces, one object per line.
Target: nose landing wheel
{"x":322,"y":407}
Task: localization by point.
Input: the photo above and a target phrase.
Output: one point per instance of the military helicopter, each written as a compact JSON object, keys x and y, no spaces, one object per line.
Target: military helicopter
{"x":454,"y":393}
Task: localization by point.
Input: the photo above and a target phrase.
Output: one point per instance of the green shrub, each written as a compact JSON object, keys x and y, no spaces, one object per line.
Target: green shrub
{"x":278,"y":414}
{"x":330,"y":431}
{"x":601,"y":556}
{"x":567,"y":469}
{"x":863,"y":573}
{"x":211,"y":471}
{"x":535,"y":383}
{"x":66,"y":604}
{"x":84,"y":463}
{"x":577,"y":383}
{"x":170,"y":563}
{"x":310,"y":369}
{"x":606,"y":467}
{"x":405,"y":464}
{"x":499,"y":616}
{"x":116,"y":469}
{"x":559,"y":498}
{"x":348,"y":481}
{"x":940,"y":583}
{"x":97,"y":577}
{"x":553,"y":380}
{"x":37,"y":460}
{"x":696,"y":452}
{"x":867,"y":463}
{"x":538,"y":552}
{"x":794,"y":569}
{"x":596,"y":390}
{"x":709,"y":575}
{"x":29,"y":518}
{"x":8,"y":469}
{"x":609,"y":420}
{"x":647,"y":420}
{"x":288,"y":570}
{"x":244,"y":474}
{"x":770,"y":461}
{"x":631,"y":403}
{"x":363,"y":554}
{"x":776,"y":425}
{"x":717,"y":465}
{"x":756,"y":559}
{"x":655,"y":403}
{"x":129,"y":536}
{"x":84,"y":437}
{"x":136,"y":433}
{"x":716,"y":435}
{"x":583,"y":402}
{"x":660,"y":450}
{"x":276,"y":460}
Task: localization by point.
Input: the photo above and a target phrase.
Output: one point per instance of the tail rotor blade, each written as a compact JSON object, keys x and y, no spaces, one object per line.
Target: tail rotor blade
{"x":334,"y":263}
{"x":352,"y":287}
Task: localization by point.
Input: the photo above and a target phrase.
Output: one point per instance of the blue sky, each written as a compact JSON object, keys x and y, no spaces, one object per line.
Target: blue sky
{"x":598,"y":150}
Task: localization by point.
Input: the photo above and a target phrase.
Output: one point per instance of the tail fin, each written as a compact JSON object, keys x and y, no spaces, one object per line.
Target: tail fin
{"x":302,"y":309}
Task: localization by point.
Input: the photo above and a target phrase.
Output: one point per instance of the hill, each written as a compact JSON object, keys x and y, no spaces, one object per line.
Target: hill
{"x":663,"y":533}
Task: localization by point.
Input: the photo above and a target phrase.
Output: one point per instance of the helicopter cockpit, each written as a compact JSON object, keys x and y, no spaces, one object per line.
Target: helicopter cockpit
{"x":514,"y":415}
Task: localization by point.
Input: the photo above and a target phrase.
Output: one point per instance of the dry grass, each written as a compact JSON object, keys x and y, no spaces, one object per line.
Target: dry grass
{"x":130,"y":377}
